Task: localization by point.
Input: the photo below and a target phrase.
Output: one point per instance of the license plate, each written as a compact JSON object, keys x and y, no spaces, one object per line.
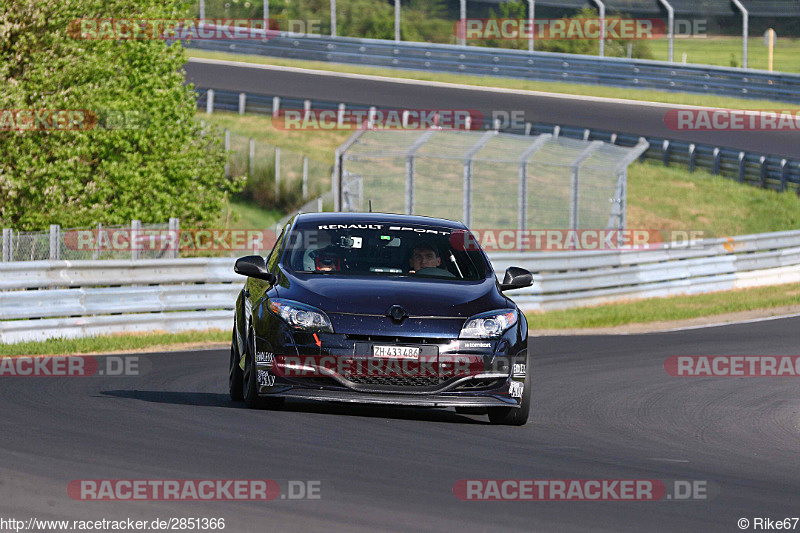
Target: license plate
{"x":399,"y":352}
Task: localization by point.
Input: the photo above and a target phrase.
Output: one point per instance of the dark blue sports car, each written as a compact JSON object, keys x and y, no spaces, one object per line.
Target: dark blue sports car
{"x":382,"y":309}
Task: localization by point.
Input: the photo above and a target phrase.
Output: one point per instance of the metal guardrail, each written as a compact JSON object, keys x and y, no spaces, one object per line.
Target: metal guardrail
{"x":74,"y":299}
{"x":760,"y":170}
{"x":570,"y":279}
{"x":539,"y":66}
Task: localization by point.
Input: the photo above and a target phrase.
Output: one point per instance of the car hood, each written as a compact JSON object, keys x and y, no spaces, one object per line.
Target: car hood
{"x":375,"y":295}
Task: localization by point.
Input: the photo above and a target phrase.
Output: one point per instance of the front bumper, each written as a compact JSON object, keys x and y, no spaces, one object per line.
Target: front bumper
{"x":493,"y":377}
{"x":431,"y":400}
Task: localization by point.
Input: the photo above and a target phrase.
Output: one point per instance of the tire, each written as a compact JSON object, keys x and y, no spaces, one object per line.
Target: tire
{"x":235,"y":379}
{"x":250,"y":382}
{"x":515,"y":416}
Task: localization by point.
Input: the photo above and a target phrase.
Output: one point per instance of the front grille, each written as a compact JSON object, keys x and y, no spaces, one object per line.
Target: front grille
{"x":398,"y":340}
{"x":396,"y":381}
{"x":318,"y":382}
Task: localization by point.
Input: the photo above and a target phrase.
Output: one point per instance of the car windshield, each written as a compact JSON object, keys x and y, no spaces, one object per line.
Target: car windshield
{"x":384,"y":250}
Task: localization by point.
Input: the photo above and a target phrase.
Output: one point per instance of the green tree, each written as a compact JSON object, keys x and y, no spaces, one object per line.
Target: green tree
{"x":157,"y":166}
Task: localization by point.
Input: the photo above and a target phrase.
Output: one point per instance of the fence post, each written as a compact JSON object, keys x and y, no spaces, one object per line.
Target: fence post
{"x":305,"y":178}
{"x":692,"y":153}
{"x":522,"y":190}
{"x":410,"y":154}
{"x":474,"y":149}
{"x":306,"y":109}
{"x":55,"y":237}
{"x":784,"y":174}
{"x":574,"y":186}
{"x":136,"y":226}
{"x":6,"y":245}
{"x":336,"y":181}
{"x":463,"y":25}
{"x":276,"y":105}
{"x":227,"y":155}
{"x":242,"y":102}
{"x":556,"y":131}
{"x":252,"y":158}
{"x":175,"y":237}
{"x":209,"y":101}
{"x":340,"y":115}
{"x":96,"y":253}
{"x":741,"y":165}
{"x":602,"y":7}
{"x":763,"y":171}
{"x":531,"y":16}
{"x":397,"y":20}
{"x":716,"y":163}
{"x":586,"y":134}
{"x":665,"y":152}
{"x":623,"y":200}
{"x":745,"y":30}
{"x":333,"y":18}
{"x":277,"y":173}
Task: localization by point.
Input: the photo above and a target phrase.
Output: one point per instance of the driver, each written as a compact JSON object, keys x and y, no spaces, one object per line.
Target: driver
{"x":327,"y":259}
{"x":425,"y":260}
{"x":322,"y":256}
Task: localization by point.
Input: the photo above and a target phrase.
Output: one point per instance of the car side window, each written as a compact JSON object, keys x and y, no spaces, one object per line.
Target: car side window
{"x":275,"y":254}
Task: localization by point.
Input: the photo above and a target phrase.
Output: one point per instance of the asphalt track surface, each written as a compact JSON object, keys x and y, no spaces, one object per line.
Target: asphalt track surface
{"x":611,"y":115}
{"x":604,"y":408}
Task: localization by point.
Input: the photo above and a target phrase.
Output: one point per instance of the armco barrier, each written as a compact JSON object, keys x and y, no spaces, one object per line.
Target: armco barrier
{"x":543,"y":66}
{"x":83,"y":298}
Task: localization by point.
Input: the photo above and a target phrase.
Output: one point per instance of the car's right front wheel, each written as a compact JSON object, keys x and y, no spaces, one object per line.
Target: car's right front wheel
{"x":250,"y":381}
{"x":235,"y":380}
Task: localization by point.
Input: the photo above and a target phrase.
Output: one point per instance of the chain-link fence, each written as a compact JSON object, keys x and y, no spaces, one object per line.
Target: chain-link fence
{"x":134,"y":241}
{"x":276,"y":177}
{"x":487,"y":179}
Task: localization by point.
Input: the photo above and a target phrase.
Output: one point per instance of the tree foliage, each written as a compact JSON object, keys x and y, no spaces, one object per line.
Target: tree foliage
{"x":153,"y":167}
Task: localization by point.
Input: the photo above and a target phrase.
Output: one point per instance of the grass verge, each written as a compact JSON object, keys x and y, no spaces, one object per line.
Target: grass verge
{"x":667,"y":309}
{"x":114,"y":343}
{"x":726,"y":51}
{"x":507,"y":83}
{"x":672,"y":198}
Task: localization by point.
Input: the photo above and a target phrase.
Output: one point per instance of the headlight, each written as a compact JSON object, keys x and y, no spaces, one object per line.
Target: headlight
{"x":488,"y":325}
{"x":300,"y":316}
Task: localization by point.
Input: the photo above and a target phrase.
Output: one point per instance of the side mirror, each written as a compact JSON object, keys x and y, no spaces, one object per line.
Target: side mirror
{"x":253,"y":266}
{"x":516,"y":278}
